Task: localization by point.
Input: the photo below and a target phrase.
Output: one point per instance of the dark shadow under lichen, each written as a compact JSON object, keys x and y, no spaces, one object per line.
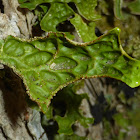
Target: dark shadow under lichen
{"x":13,"y":94}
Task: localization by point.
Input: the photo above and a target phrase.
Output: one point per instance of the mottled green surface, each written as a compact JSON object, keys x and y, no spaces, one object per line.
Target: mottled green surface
{"x":31,"y":4}
{"x":48,"y":64}
{"x":65,"y":109}
{"x":53,"y":17}
{"x":86,"y":8}
{"x":72,"y":103}
{"x":84,"y":30}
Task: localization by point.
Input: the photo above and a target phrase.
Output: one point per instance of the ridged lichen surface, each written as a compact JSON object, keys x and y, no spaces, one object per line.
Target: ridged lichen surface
{"x":48,"y":64}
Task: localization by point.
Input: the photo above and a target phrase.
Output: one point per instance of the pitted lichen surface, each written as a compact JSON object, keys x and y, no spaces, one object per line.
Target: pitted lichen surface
{"x":53,"y":14}
{"x":48,"y":64}
{"x":53,"y":17}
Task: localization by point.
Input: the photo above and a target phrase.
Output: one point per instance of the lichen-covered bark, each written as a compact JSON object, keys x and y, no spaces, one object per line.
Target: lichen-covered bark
{"x":17,"y":120}
{"x":9,"y":130}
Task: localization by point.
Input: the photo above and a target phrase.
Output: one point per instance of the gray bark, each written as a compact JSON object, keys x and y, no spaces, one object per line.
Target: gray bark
{"x":17,"y":120}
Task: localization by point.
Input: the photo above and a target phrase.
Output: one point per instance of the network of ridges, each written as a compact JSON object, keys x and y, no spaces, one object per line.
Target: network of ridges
{"x":48,"y":64}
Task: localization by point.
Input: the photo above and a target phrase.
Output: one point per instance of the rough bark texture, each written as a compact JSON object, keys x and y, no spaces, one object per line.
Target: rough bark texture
{"x":20,"y":20}
{"x":96,"y":88}
{"x":17,"y":121}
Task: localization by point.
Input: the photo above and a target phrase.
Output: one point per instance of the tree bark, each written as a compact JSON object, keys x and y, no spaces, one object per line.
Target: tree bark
{"x":17,"y":120}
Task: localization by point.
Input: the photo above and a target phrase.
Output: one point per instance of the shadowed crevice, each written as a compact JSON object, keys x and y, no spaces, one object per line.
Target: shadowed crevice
{"x":1,"y":7}
{"x":13,"y":94}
